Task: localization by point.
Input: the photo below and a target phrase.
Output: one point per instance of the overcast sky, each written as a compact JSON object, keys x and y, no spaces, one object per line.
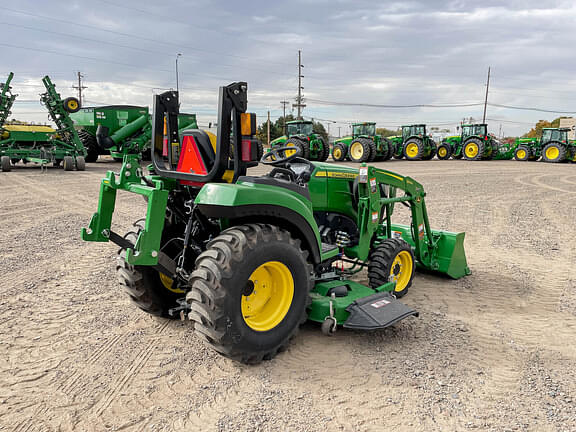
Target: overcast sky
{"x":387,"y":53}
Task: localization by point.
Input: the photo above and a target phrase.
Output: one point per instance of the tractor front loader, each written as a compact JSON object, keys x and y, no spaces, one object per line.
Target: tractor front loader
{"x":248,"y":259}
{"x":41,"y":144}
{"x":364,"y":145}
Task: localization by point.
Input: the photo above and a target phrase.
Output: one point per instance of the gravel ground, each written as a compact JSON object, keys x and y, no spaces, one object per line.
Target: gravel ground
{"x":491,"y":352}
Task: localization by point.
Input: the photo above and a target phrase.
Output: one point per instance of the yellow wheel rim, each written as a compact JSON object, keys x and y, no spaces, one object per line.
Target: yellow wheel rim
{"x":72,"y":104}
{"x":168,"y":283}
{"x":337,"y":153}
{"x":412,"y":150}
{"x":401,"y":270}
{"x":288,"y":153}
{"x":471,"y":150}
{"x":521,"y":154}
{"x":552,"y":153}
{"x":442,"y":151}
{"x":356,"y":150}
{"x":270,"y":300}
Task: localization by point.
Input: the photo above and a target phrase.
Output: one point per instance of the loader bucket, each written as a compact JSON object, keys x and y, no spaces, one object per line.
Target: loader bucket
{"x":448,"y":257}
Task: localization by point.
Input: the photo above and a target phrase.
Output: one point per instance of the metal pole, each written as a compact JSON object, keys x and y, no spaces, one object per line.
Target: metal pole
{"x":284,"y":103}
{"x":177,"y":84}
{"x":486,"y":99}
{"x":268,"y":128}
{"x":339,"y":131}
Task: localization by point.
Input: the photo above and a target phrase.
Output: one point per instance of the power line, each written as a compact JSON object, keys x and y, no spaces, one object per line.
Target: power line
{"x":531,"y":109}
{"x":324,"y":102}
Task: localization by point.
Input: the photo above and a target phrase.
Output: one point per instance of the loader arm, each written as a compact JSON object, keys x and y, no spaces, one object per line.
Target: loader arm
{"x":434,"y":250}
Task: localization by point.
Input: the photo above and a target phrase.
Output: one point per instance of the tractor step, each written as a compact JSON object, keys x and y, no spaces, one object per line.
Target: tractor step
{"x":376,"y":312}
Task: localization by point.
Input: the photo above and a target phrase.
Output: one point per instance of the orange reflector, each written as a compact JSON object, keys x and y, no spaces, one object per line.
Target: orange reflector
{"x":190,"y":158}
{"x":248,"y":124}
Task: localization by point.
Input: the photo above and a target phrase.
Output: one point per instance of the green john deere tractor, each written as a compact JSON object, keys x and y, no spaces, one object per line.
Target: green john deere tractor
{"x":474,"y":143}
{"x":119,"y":129}
{"x":364,"y":145}
{"x":300,"y":134}
{"x":413,"y":144}
{"x":41,"y":144}
{"x":250,"y":258}
{"x":553,"y":146}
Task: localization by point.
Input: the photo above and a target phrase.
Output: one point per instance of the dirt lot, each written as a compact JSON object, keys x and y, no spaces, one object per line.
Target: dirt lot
{"x":494,"y":351}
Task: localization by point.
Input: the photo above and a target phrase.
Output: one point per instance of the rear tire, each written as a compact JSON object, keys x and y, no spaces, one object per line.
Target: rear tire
{"x":143,"y":284}
{"x":339,"y":152}
{"x":303,"y":146}
{"x":554,"y":152}
{"x":71,"y":105}
{"x":360,"y":150}
{"x":325,"y":152}
{"x":68,"y":163}
{"x":373,"y":150}
{"x":473,"y":149}
{"x":240,"y":299}
{"x":413,"y":149}
{"x":389,"y":149}
{"x":90,"y":144}
{"x":5,"y":164}
{"x":392,"y":259}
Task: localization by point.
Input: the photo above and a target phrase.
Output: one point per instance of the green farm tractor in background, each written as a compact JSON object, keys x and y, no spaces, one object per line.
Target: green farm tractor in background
{"x":249,"y":258}
{"x":119,"y":129}
{"x":300,"y":134}
{"x":364,"y":145}
{"x":552,"y":146}
{"x":413,"y":144}
{"x":474,"y":143}
{"x":36,"y":143}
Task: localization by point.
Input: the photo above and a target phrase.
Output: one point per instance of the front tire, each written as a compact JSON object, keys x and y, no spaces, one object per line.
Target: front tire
{"x":392,"y":259}
{"x":444,"y":151}
{"x":339,"y":152}
{"x":522,"y":153}
{"x":250,"y":291}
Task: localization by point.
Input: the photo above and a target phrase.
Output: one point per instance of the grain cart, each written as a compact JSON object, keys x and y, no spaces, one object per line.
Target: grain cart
{"x":364,"y":145}
{"x":413,"y":144}
{"x":42,"y":144}
{"x":474,"y":143}
{"x":300,"y":134}
{"x":248,"y":259}
{"x":553,"y":146}
{"x":119,"y":130}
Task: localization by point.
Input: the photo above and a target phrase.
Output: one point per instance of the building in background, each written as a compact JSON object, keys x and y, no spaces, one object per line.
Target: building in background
{"x":569,"y":122}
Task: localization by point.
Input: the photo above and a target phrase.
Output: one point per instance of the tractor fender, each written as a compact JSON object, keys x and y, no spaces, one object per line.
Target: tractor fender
{"x":242,"y":203}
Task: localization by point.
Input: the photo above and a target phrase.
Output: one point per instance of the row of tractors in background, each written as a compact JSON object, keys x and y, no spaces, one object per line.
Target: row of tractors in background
{"x":82,"y":134}
{"x":473,"y":143}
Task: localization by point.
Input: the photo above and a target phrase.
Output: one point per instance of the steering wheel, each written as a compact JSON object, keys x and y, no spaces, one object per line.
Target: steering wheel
{"x":277,"y":156}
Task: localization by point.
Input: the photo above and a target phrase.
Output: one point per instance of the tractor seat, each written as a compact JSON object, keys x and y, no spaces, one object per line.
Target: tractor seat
{"x":279,"y":182}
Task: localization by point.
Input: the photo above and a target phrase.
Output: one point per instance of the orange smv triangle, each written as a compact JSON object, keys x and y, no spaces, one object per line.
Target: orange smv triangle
{"x":190,"y":159}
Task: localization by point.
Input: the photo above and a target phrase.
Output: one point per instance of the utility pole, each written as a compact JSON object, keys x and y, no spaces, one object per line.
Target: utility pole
{"x":268,"y":128}
{"x":284,"y":103}
{"x":177,"y":57}
{"x":486,"y":99}
{"x":339,"y":131}
{"x":79,"y":87}
{"x":299,"y":99}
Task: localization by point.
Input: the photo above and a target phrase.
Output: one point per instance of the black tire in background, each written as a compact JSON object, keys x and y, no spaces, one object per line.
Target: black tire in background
{"x":5,"y":164}
{"x":554,"y":152}
{"x":302,"y":145}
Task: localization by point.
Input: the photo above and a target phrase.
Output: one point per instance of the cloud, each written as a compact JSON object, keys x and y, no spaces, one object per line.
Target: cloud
{"x":356,"y":51}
